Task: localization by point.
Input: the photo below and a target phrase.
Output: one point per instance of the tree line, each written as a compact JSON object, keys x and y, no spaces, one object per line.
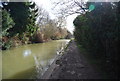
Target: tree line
{"x":98,"y":31}
{"x":25,"y":22}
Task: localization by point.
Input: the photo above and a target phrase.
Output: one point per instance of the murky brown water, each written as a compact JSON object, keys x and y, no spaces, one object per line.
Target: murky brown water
{"x":29,"y":61}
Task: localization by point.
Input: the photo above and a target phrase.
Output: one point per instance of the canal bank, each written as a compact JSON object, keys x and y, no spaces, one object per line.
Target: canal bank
{"x":71,"y":65}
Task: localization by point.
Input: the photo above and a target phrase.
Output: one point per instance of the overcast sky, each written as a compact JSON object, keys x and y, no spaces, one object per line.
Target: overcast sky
{"x":48,"y":5}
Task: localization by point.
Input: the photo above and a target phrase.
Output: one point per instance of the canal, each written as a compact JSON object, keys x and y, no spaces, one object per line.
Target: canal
{"x":29,"y":61}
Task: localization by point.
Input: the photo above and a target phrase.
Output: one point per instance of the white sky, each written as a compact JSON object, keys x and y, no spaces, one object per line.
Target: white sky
{"x":47,"y":4}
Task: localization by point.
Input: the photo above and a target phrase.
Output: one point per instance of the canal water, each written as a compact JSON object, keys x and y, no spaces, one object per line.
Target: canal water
{"x":29,"y":61}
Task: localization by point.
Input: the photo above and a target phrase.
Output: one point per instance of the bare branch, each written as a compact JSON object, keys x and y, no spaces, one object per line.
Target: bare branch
{"x":69,"y":7}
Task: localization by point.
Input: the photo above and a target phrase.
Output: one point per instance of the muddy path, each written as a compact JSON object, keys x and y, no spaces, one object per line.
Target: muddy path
{"x":72,"y":65}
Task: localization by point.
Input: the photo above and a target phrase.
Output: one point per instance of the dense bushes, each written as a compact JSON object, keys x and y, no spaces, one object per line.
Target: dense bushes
{"x":18,"y":21}
{"x":98,"y":31}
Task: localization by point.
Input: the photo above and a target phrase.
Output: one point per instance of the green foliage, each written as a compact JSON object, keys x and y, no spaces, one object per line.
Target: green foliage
{"x":98,"y":32}
{"x":7,"y":22}
{"x":31,"y":26}
{"x":24,"y":15}
{"x":18,"y":20}
{"x":20,"y":13}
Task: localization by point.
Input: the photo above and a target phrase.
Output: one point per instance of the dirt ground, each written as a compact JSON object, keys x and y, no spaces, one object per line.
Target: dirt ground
{"x":71,"y":65}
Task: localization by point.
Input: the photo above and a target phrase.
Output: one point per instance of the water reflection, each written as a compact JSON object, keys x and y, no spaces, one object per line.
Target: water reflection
{"x":26,"y":53}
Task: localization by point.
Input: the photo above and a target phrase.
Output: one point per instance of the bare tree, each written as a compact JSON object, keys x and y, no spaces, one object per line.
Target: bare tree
{"x":70,"y":7}
{"x":43,"y":18}
{"x":60,"y":21}
{"x":42,"y":15}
